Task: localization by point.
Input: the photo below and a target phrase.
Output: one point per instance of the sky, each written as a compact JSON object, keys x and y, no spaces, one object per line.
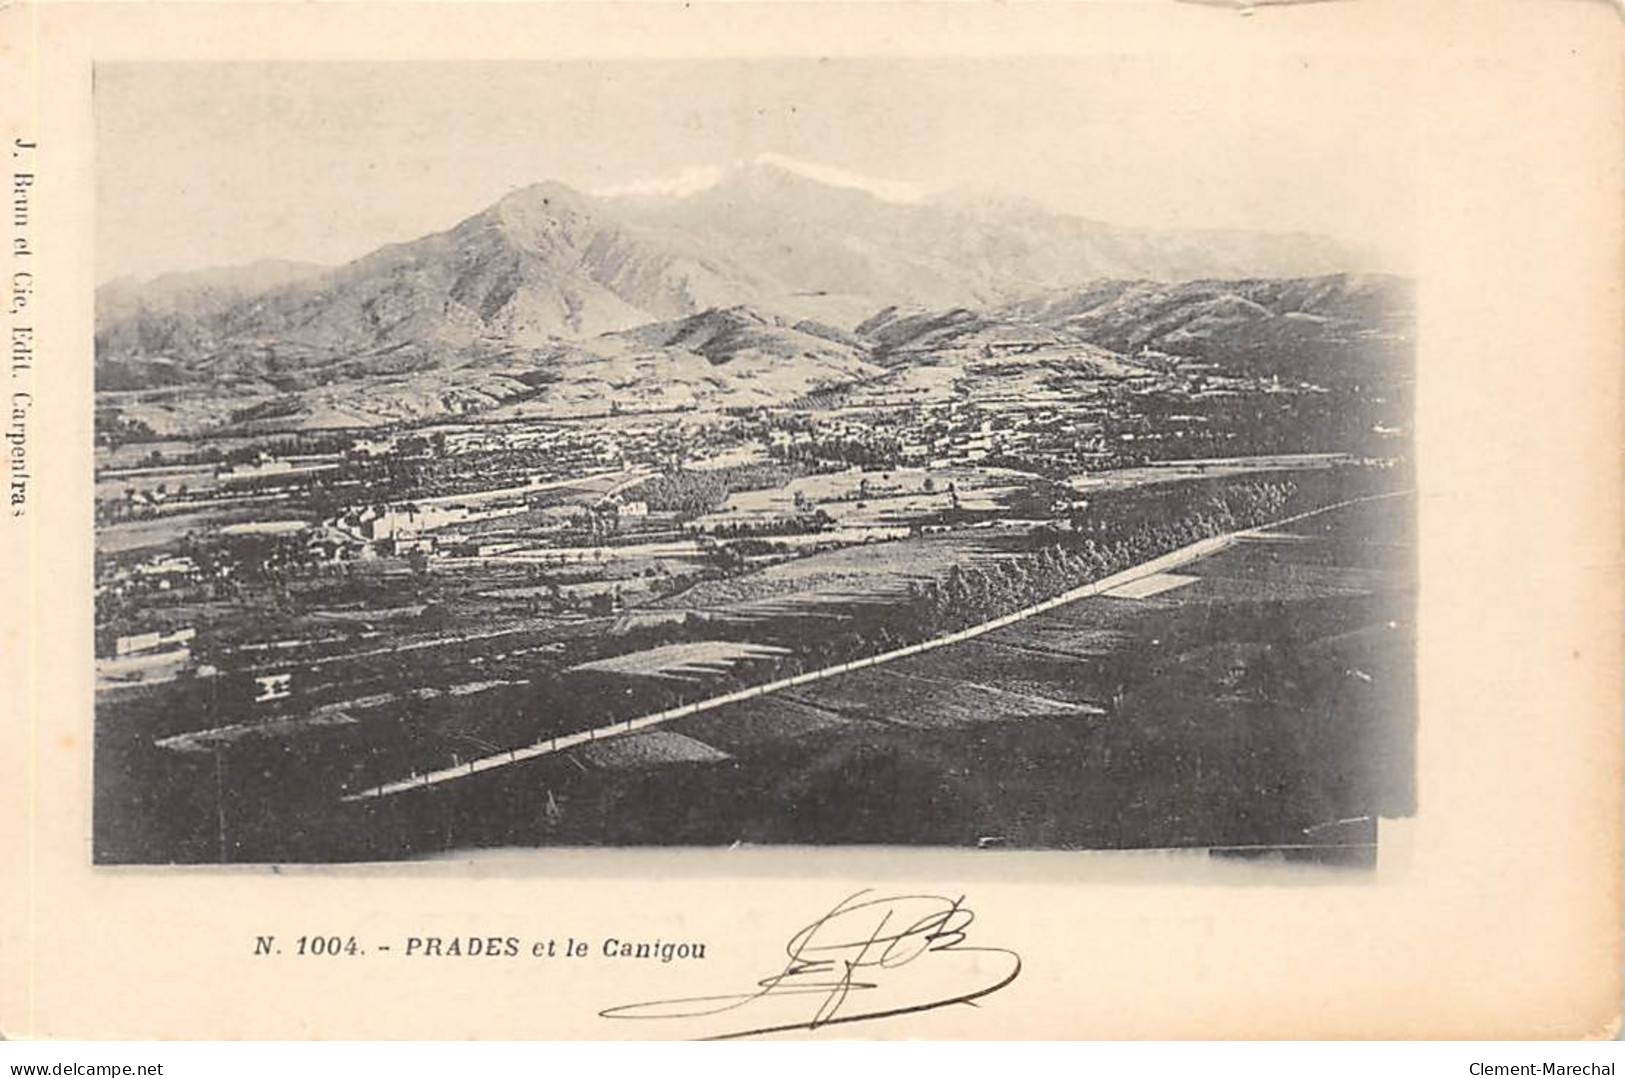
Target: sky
{"x":220,"y":164}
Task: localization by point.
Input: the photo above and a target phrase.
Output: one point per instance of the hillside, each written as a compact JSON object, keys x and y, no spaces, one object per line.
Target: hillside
{"x":1320,"y":328}
{"x":719,"y":357}
{"x":1335,"y":331}
{"x":147,"y":323}
{"x":735,"y":357}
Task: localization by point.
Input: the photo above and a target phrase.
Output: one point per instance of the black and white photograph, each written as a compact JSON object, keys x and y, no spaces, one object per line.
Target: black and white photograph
{"x":969,"y":453}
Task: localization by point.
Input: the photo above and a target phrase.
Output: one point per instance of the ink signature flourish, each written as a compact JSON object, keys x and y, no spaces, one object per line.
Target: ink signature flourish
{"x":870,"y":957}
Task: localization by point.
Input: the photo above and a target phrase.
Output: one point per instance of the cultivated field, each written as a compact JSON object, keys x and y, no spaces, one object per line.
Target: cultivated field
{"x":1239,"y":700}
{"x":1260,"y":701}
{"x":831,"y":577}
{"x":683,"y":661}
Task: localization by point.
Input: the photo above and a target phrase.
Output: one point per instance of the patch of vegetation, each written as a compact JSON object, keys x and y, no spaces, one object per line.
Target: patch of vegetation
{"x":696,"y":492}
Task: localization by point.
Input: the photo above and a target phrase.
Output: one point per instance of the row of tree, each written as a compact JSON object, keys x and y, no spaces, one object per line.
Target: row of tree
{"x":972,"y":594}
{"x":873,"y":451}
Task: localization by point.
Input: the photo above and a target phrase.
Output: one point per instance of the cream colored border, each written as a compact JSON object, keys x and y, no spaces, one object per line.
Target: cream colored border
{"x":1494,"y":913}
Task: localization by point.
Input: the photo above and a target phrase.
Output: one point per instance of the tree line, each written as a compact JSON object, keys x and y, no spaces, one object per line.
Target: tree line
{"x":696,"y":492}
{"x":973,"y":594}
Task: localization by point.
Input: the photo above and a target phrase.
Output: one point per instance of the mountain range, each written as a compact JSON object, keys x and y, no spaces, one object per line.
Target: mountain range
{"x":755,"y":283}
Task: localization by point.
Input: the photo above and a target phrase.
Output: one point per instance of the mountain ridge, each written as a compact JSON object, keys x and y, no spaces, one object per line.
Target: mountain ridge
{"x":548,"y":260}
{"x":756,"y":288}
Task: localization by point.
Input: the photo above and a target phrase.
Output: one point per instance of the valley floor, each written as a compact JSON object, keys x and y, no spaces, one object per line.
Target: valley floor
{"x":1253,"y":697}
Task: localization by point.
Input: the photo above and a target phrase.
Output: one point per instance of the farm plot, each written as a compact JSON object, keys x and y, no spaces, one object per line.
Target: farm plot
{"x":531,"y":521}
{"x":132,"y":535}
{"x":1395,"y":559}
{"x":683,"y":662}
{"x":891,"y":696}
{"x":1262,"y":571}
{"x":1386,"y":520}
{"x":1083,"y":630}
{"x":1280,"y":584}
{"x":652,"y":748}
{"x":1147,"y":586}
{"x":903,"y":485}
{"x":765,"y":721}
{"x":1184,"y":470}
{"x":869,"y":568}
{"x":1372,"y":536}
{"x":833,"y":604}
{"x":988,"y":662}
{"x":194,"y":478}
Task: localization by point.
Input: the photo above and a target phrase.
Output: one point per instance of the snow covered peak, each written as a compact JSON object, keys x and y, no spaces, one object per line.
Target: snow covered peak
{"x":886,"y":190}
{"x":696,"y":178}
{"x":690,"y":180}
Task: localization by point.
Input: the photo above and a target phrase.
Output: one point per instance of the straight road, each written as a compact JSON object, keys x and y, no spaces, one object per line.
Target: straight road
{"x":1183,"y":556}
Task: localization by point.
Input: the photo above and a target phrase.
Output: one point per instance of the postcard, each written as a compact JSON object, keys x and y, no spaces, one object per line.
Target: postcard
{"x":734,"y":520}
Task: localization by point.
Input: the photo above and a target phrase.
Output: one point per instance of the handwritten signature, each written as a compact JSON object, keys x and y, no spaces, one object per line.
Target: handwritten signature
{"x":870,"y":957}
